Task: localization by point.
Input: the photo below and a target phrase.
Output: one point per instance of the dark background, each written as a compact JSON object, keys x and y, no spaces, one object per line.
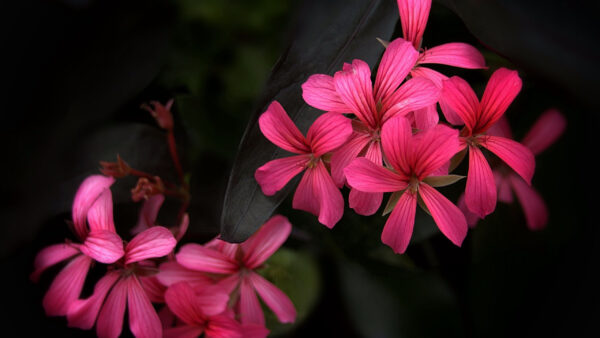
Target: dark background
{"x":75,"y":73}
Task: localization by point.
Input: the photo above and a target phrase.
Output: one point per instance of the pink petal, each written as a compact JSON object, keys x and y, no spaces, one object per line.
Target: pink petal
{"x":413,"y":16}
{"x":471,"y":218}
{"x":354,"y":86}
{"x":211,"y":299}
{"x":396,"y":136}
{"x":536,"y":212}
{"x":83,"y":312}
{"x":503,"y":186}
{"x":365,"y":203}
{"x":143,"y":319}
{"x":516,"y":155}
{"x":148,"y":213}
{"x":318,"y":195}
{"x":86,"y":195}
{"x":436,"y":77}
{"x":184,"y":331}
{"x":250,"y":310}
{"x":49,"y":256}
{"x":228,"y":249}
{"x":414,"y":94}
{"x":274,"y":298}
{"x":397,"y":61}
{"x":367,"y":176}
{"x":345,"y":154}
{"x":66,"y":286}
{"x":100,"y":214}
{"x":459,"y":99}
{"x":446,"y":215}
{"x":199,"y":258}
{"x":103,"y":246}
{"x":500,"y":128}
{"x":266,"y":241}
{"x":153,"y":288}
{"x":254,"y":331}
{"x":230,"y":283}
{"x":151,"y":243}
{"x":432,"y":149}
{"x":546,"y":130}
{"x":319,"y":92}
{"x":277,"y":126}
{"x":223,"y":327}
{"x":172,"y":272}
{"x":501,"y":90}
{"x":455,"y":54}
{"x":180,"y":299}
{"x":110,"y":319}
{"x":329,"y":132}
{"x":427,"y":118}
{"x":399,"y":226}
{"x":480,"y":193}
{"x":275,"y":174}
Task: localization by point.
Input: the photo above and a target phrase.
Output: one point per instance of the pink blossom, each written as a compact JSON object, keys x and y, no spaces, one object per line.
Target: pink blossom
{"x":235,"y":265}
{"x":352,"y":91}
{"x":413,"y":159}
{"x":545,"y":131}
{"x":93,"y":201}
{"x":316,"y":192}
{"x":459,"y":102}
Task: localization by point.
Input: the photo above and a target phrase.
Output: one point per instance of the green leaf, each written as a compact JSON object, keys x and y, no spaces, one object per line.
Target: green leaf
{"x":442,"y":181}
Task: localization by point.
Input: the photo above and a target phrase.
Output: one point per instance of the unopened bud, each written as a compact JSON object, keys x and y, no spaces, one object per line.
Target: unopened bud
{"x":162,"y":114}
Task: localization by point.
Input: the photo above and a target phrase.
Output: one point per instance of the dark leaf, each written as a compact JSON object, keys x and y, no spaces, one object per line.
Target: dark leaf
{"x":328,"y":34}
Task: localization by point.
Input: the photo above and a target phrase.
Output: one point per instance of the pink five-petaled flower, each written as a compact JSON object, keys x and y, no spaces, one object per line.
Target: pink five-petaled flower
{"x":413,"y":16}
{"x":316,"y":192}
{"x":237,"y":262}
{"x":460,"y":102}
{"x":545,"y":131}
{"x":413,"y":159}
{"x":351,"y":91}
{"x":100,"y":243}
{"x":123,"y":284}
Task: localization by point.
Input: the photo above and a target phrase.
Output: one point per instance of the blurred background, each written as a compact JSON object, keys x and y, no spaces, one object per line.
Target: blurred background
{"x":76,"y":72}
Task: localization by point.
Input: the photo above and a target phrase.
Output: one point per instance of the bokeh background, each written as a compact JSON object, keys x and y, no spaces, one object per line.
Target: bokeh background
{"x":76,"y":72}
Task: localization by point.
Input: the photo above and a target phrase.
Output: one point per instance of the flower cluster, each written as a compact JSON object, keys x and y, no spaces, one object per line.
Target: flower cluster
{"x":387,"y":136}
{"x":208,"y":290}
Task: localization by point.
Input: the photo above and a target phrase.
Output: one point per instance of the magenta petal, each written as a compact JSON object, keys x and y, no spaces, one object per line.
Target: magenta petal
{"x":148,"y":213}
{"x":414,"y":94}
{"x":432,"y":149}
{"x":211,"y":299}
{"x":396,"y":136}
{"x":366,"y":176}
{"x":427,"y":118}
{"x":364,"y":203}
{"x":413,"y":16}
{"x":274,"y":298}
{"x":86,"y":195}
{"x":151,"y":243}
{"x":345,"y":154}
{"x":66,"y":286}
{"x":266,"y":241}
{"x":318,"y":195}
{"x":184,"y":331}
{"x":545,"y":131}
{"x":319,"y":92}
{"x":83,"y":312}
{"x":503,"y":186}
{"x":397,"y":61}
{"x":480,"y":193}
{"x":254,"y":331}
{"x":399,"y":226}
{"x":103,"y":246}
{"x":110,"y":319}
{"x":471,"y":218}
{"x":277,"y":126}
{"x":455,"y":54}
{"x":222,"y":326}
{"x":500,"y":128}
{"x":250,"y":310}
{"x":100,"y":215}
{"x":154,"y":289}
{"x":329,"y":132}
{"x":436,"y":77}
{"x":446,"y":215}
{"x":354,"y":86}
{"x":143,"y":319}
{"x":275,"y":174}
{"x":459,"y":99}
{"x":199,"y":258}
{"x":49,"y":256}
{"x":180,"y":299}
{"x":501,"y":90}
{"x":516,"y":155}
{"x":536,"y":212}
{"x":172,"y":272}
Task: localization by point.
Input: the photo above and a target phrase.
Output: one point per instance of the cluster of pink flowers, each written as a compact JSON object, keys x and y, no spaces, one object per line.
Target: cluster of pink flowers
{"x":208,"y":289}
{"x":387,"y":137}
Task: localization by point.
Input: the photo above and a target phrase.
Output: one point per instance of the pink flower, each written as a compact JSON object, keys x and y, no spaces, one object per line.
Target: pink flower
{"x":459,"y":103}
{"x":93,"y":201}
{"x":546,"y":130}
{"x":316,"y":192}
{"x":413,"y":159}
{"x":235,"y":263}
{"x":351,"y":91}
